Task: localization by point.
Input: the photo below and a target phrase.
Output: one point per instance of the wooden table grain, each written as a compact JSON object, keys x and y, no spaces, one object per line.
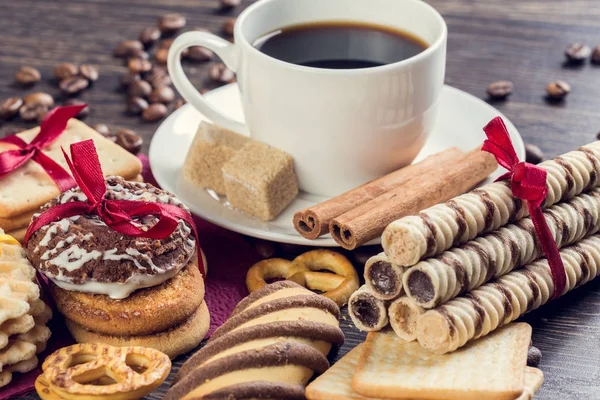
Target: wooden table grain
{"x":519,"y":40}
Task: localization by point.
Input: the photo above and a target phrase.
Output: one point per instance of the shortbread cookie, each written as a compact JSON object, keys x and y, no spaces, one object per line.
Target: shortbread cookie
{"x":490,"y":368}
{"x":17,"y":351}
{"x":479,"y":312}
{"x":30,"y":187}
{"x":367,"y":311}
{"x":533,"y":382}
{"x":13,"y":327}
{"x":383,"y":278}
{"x":273,"y":342}
{"x":436,"y":280}
{"x":403,"y":314}
{"x":212,"y":147}
{"x":438,"y":228}
{"x":17,"y":222}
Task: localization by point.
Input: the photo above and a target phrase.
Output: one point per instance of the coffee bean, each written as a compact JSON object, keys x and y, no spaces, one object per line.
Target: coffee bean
{"x":136,"y":105}
{"x":139,"y":65}
{"x":204,"y":90}
{"x":28,"y":75}
{"x":39,"y":98}
{"x":10,"y":107}
{"x":33,"y":111}
{"x":199,"y":53}
{"x":89,"y":72}
{"x":161,"y":56}
{"x":558,"y":90}
{"x":596,"y":55}
{"x":102,"y":129}
{"x":129,"y":140}
{"x":577,"y":52}
{"x":228,"y":26}
{"x":160,"y":81}
{"x":75,"y":102}
{"x":533,"y":154}
{"x":598,"y":136}
{"x":534,"y":356}
{"x":165,"y":44}
{"x":139,"y":54}
{"x":154,"y":112}
{"x":163,"y":94}
{"x":500,"y":89}
{"x":226,"y":4}
{"x":149,"y":35}
{"x":128,"y":78}
{"x":139,"y":89}
{"x":170,"y":23}
{"x":220,"y":73}
{"x":178,"y":103}
{"x":127,"y":47}
{"x":73,"y":85}
{"x":65,"y":70}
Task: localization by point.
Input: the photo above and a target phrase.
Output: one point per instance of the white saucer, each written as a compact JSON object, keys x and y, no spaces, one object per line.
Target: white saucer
{"x":459,"y":123}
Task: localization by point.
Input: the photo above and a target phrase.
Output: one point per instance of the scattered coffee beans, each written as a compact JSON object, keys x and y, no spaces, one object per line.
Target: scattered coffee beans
{"x":178,"y":103}
{"x":171,"y":23}
{"x":39,"y":98}
{"x":75,"y":102}
{"x":136,"y":105}
{"x":228,"y":26}
{"x":10,"y":107}
{"x":558,"y":90}
{"x":533,"y":154}
{"x":226,"y":4}
{"x":139,"y":65}
{"x":128,"y":78}
{"x":534,"y":356}
{"x":73,"y":85}
{"x":199,"y":53}
{"x":220,"y":73}
{"x":163,"y":94}
{"x":159,"y":80}
{"x":500,"y":89}
{"x":89,"y":72}
{"x":102,"y":129}
{"x":127,"y":48}
{"x":577,"y":52}
{"x":149,"y":35}
{"x":28,"y":75}
{"x":65,"y":70}
{"x":139,"y":89}
{"x":154,"y":112}
{"x":161,"y":56}
{"x":129,"y":140}
{"x":33,"y":111}
{"x":596,"y":55}
{"x":140,"y":54}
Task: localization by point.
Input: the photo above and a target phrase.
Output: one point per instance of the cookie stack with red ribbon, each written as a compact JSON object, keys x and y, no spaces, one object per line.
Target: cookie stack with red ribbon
{"x":484,"y":258}
{"x":33,"y":169}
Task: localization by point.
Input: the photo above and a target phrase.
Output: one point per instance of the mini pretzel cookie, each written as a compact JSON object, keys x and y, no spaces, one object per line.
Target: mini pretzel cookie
{"x":84,"y":371}
{"x":305,"y":270}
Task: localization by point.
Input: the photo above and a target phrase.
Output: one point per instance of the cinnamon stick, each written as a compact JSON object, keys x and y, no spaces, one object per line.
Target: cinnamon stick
{"x":314,"y":221}
{"x":439,"y":184}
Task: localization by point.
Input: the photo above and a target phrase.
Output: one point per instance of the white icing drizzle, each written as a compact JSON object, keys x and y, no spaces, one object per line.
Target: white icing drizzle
{"x":74,"y":257}
{"x":53,"y":228}
{"x":72,"y":194}
{"x":130,"y":255}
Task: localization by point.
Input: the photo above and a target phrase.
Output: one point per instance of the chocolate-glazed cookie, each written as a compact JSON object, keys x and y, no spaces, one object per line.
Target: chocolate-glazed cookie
{"x":82,"y":253}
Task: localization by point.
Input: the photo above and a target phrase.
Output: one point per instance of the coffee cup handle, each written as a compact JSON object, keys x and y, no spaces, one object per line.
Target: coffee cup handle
{"x":222,"y":48}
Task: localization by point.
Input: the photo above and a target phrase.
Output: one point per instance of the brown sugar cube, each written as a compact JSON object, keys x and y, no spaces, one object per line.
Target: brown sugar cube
{"x":212,"y":147}
{"x":260,"y":180}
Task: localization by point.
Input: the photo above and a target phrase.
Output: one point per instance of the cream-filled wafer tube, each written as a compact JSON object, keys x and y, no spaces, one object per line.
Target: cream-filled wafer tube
{"x":367,"y":311}
{"x":497,"y":303}
{"x":403,"y":315}
{"x":383,"y":278}
{"x":436,"y":280}
{"x":438,"y":228}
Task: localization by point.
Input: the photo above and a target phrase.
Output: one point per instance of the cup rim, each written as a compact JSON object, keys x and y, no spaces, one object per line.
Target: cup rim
{"x":432,"y":48}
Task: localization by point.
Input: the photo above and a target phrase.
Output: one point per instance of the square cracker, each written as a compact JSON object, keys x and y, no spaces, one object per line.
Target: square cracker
{"x":334,"y":384}
{"x":489,"y":368}
{"x":29,"y":187}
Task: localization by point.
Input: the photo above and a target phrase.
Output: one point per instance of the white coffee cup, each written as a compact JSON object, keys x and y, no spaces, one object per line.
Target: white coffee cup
{"x":343,"y":127}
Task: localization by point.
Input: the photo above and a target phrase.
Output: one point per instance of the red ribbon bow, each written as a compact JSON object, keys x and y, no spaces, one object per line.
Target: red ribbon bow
{"x":527,"y":182}
{"x":51,"y":128}
{"x":117,"y":214}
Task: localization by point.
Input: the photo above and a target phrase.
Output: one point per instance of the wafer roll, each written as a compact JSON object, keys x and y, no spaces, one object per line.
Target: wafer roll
{"x":436,"y":280}
{"x":497,"y":303}
{"x":403,"y":315}
{"x":438,"y":228}
{"x":367,"y":311}
{"x":383,"y":278}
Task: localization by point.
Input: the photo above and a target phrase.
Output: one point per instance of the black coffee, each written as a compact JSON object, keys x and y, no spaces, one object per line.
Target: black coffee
{"x":340,"y":45}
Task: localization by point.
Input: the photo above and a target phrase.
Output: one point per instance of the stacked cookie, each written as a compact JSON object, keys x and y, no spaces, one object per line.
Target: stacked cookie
{"x":124,"y":290}
{"x":470,"y":263}
{"x":25,"y":190}
{"x":23,"y":315}
{"x":272,"y":344}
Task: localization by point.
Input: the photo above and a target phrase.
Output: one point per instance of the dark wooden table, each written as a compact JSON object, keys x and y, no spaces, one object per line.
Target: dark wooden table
{"x":520,"y":40}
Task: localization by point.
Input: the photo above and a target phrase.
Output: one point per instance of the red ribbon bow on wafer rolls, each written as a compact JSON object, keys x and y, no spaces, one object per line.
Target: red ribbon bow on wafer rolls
{"x":117,"y":214}
{"x":527,"y":182}
{"x":51,"y":128}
